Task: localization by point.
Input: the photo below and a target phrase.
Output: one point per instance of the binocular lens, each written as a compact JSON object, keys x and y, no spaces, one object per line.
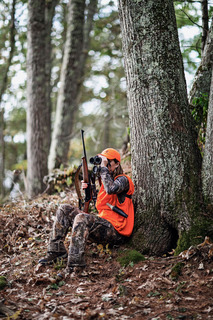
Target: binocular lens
{"x":95,"y":160}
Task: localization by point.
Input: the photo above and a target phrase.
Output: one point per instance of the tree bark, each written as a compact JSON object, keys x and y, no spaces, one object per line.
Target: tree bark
{"x":3,"y":88}
{"x":166,"y":162}
{"x":207,"y":170}
{"x":37,"y":141}
{"x":70,"y":71}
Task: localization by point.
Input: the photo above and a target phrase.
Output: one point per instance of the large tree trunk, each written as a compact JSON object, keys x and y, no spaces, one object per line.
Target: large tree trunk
{"x":166,"y":161}
{"x":70,"y":72}
{"x":37,"y":141}
{"x":207,"y":171}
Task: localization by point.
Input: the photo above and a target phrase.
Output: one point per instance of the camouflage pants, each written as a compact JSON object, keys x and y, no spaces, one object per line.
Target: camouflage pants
{"x":84,"y":226}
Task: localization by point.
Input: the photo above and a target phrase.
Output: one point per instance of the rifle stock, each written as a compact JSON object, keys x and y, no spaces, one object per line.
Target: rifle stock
{"x":88,"y":193}
{"x":86,"y":178}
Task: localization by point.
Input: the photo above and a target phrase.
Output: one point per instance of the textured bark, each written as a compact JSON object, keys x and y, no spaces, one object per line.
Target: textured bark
{"x":3,"y":88}
{"x":166,"y":162}
{"x":202,"y":80}
{"x":70,"y":72}
{"x":207,"y":170}
{"x":37,"y":142}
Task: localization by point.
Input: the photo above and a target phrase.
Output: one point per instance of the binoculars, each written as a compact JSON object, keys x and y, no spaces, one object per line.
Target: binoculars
{"x":96,"y":160}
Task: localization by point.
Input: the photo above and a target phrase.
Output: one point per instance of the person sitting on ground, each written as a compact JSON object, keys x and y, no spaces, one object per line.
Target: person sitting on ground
{"x":106,"y":227}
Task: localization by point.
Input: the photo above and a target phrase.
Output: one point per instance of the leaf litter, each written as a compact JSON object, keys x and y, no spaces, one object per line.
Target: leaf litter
{"x":157,"y":288}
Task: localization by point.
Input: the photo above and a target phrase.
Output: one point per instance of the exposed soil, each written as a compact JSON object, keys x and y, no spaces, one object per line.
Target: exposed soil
{"x":150,"y":289}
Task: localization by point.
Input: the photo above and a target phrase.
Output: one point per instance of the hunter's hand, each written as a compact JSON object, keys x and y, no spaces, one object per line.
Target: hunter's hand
{"x":104,"y":161}
{"x":84,"y":185}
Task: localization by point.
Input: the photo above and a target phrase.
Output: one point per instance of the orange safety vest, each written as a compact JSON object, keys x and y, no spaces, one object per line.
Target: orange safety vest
{"x":123,"y":225}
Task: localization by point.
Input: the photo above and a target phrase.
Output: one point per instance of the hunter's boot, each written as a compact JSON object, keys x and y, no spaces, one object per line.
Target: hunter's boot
{"x":56,"y":250}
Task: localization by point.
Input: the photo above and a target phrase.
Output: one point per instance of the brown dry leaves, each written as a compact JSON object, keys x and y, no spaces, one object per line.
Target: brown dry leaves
{"x":103,"y":290}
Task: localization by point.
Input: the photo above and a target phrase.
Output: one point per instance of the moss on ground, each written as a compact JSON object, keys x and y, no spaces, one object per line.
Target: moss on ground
{"x":177,"y":270}
{"x":130,"y":256}
{"x":3,"y":282}
{"x":201,"y":228}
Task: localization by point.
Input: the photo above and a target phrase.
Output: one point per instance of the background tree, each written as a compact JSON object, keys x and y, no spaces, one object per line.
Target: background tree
{"x":49,"y":15}
{"x":102,"y":95}
{"x":166,"y":162}
{"x":3,"y":85}
{"x":37,"y":142}
{"x":70,"y":72}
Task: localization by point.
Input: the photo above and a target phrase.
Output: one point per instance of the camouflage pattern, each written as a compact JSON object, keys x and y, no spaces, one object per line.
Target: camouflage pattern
{"x":85,"y":226}
{"x":118,"y":186}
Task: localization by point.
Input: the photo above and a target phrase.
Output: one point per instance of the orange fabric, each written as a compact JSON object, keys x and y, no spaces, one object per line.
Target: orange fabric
{"x":123,"y":225}
{"x":111,"y":154}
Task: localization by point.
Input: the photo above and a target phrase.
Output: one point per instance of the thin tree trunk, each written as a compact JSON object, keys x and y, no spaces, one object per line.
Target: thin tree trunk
{"x":58,"y":156}
{"x":70,"y":72}
{"x":166,"y":163}
{"x":207,"y":170}
{"x":2,"y":153}
{"x":37,"y":142}
{"x":3,"y":88}
{"x":205,"y":23}
{"x":91,"y":10}
{"x":49,"y":15}
{"x":12,"y":48}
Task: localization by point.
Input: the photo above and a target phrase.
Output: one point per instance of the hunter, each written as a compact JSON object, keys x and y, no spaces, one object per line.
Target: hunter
{"x":106,"y":227}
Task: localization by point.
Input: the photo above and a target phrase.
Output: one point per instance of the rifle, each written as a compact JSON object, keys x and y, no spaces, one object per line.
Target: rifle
{"x":90,"y":191}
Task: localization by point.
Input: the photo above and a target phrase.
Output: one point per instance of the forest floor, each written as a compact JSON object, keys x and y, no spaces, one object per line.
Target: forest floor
{"x":149,"y":289}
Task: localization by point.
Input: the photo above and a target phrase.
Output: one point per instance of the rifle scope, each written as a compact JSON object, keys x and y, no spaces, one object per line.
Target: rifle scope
{"x":95,"y":160}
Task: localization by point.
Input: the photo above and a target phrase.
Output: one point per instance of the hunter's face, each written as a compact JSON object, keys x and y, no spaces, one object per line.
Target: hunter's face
{"x":112,"y":165}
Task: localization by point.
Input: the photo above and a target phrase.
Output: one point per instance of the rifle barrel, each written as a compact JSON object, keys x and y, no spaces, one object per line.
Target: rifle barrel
{"x":84,"y":149}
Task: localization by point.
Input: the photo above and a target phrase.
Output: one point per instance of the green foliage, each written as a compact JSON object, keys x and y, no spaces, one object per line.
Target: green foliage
{"x":176,"y":270}
{"x":55,"y":286}
{"x":199,"y":113}
{"x":180,"y":286}
{"x":188,"y":15}
{"x":59,"y":264}
{"x":202,"y":227}
{"x":16,"y":122}
{"x":22,"y":165}
{"x":153,"y":294}
{"x":59,"y":180}
{"x":200,"y":109}
{"x":130,"y":256}
{"x":3,"y":282}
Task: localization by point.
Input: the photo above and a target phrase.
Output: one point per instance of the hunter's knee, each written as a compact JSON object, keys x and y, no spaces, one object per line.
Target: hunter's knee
{"x":81,"y":217}
{"x":63,"y":211}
